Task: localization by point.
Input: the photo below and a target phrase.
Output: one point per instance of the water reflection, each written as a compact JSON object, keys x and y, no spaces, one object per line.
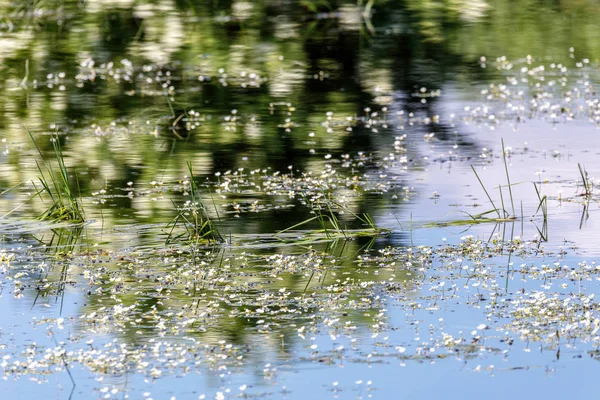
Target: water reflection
{"x":282,"y":109}
{"x":232,"y":72}
{"x":214,"y":295}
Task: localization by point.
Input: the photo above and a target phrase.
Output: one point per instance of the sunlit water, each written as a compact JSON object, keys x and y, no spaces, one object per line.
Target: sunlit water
{"x":394,"y":111}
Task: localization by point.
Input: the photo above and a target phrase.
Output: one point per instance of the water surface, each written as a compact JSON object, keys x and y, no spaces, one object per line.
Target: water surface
{"x":405,"y":112}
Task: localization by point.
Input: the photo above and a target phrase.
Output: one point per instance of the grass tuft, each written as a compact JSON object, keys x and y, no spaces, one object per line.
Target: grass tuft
{"x":330,"y":224}
{"x":193,"y":219}
{"x":502,"y":213}
{"x":64,"y":206}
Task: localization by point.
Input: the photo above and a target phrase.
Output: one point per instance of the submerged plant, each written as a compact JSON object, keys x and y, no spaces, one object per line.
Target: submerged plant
{"x":193,"y":218}
{"x":64,"y":206}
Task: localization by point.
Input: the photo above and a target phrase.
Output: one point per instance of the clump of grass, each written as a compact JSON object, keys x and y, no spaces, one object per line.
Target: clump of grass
{"x":494,"y":209}
{"x":64,"y":206}
{"x":502,"y":214}
{"x":330,"y":224}
{"x":193,"y":218}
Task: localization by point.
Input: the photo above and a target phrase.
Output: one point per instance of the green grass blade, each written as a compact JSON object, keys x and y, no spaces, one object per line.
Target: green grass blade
{"x":486,"y":192}
{"x":512,"y":203}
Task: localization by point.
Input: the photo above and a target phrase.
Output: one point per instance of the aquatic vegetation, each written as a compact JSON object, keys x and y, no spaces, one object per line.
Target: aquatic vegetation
{"x":301,"y":245}
{"x":543,"y":207}
{"x":193,"y":218}
{"x":503,"y":214}
{"x":330,"y":224}
{"x":154,"y":299}
{"x":64,"y":203}
{"x":588,"y":187}
{"x":305,"y":291}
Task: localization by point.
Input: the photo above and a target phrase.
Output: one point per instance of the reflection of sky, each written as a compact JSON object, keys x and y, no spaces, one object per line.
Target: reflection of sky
{"x":552,"y":157}
{"x":304,"y":372}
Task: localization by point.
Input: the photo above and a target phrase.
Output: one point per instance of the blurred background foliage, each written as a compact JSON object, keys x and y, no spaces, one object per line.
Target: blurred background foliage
{"x":137,"y":88}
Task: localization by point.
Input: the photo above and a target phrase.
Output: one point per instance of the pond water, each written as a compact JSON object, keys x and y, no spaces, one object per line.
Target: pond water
{"x":302,"y":199}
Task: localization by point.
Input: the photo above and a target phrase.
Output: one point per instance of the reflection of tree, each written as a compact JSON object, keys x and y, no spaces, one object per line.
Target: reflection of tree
{"x":311,"y":57}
